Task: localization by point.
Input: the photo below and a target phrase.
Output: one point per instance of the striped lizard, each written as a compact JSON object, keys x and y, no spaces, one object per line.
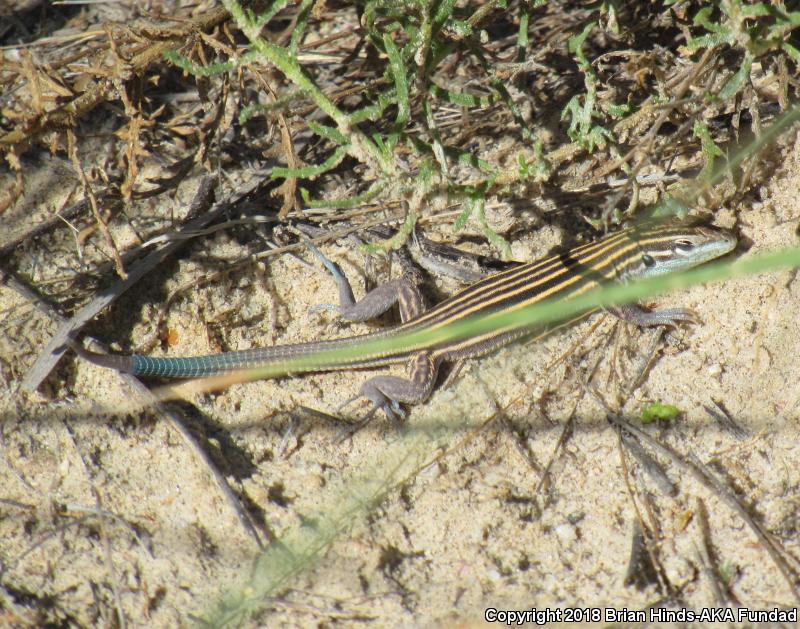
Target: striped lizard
{"x":637,"y":252}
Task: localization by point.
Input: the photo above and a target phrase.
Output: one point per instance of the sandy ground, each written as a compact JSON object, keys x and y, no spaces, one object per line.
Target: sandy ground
{"x":103,"y":512}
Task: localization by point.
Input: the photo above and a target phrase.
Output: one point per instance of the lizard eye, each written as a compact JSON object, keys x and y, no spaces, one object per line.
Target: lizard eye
{"x":648,"y":261}
{"x":684,"y":246}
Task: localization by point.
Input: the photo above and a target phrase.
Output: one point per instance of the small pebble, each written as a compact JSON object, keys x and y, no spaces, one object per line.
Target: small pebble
{"x":566,"y":534}
{"x":715,"y":370}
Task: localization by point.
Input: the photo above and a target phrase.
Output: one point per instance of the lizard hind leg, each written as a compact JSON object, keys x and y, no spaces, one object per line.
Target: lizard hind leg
{"x":392,"y":409}
{"x":387,"y":392}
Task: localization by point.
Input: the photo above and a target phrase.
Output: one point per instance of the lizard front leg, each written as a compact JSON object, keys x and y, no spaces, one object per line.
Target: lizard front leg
{"x":633,"y":313}
{"x":401,"y":291}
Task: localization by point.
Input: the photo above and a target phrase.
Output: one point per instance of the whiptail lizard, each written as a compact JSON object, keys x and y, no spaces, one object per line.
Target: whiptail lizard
{"x":634,"y":253}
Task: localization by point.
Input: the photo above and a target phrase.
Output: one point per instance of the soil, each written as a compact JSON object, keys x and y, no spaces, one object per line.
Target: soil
{"x":508,"y":489}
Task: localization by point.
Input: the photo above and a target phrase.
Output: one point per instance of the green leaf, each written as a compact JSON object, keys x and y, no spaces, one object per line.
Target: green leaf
{"x":300,"y":24}
{"x":400,"y":80}
{"x":463,"y":217}
{"x":263,"y":18}
{"x":349,"y":202}
{"x":708,"y":41}
{"x":211,"y":69}
{"x":736,"y":82}
{"x":461,"y":28}
{"x":702,"y":18}
{"x":707,"y":146}
{"x":375,"y":111}
{"x":619,"y":111}
{"x":496,"y":240}
{"x":610,"y":8}
{"x":460,"y":98}
{"x":329,"y":133}
{"x":575,"y":43}
{"x":443,"y":12}
{"x":726,"y":571}
{"x":793,"y":52}
{"x":309,"y":172}
{"x":658,"y":411}
{"x":755,"y":10}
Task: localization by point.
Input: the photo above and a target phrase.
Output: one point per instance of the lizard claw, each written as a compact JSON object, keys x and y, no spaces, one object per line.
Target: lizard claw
{"x":394,"y":411}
